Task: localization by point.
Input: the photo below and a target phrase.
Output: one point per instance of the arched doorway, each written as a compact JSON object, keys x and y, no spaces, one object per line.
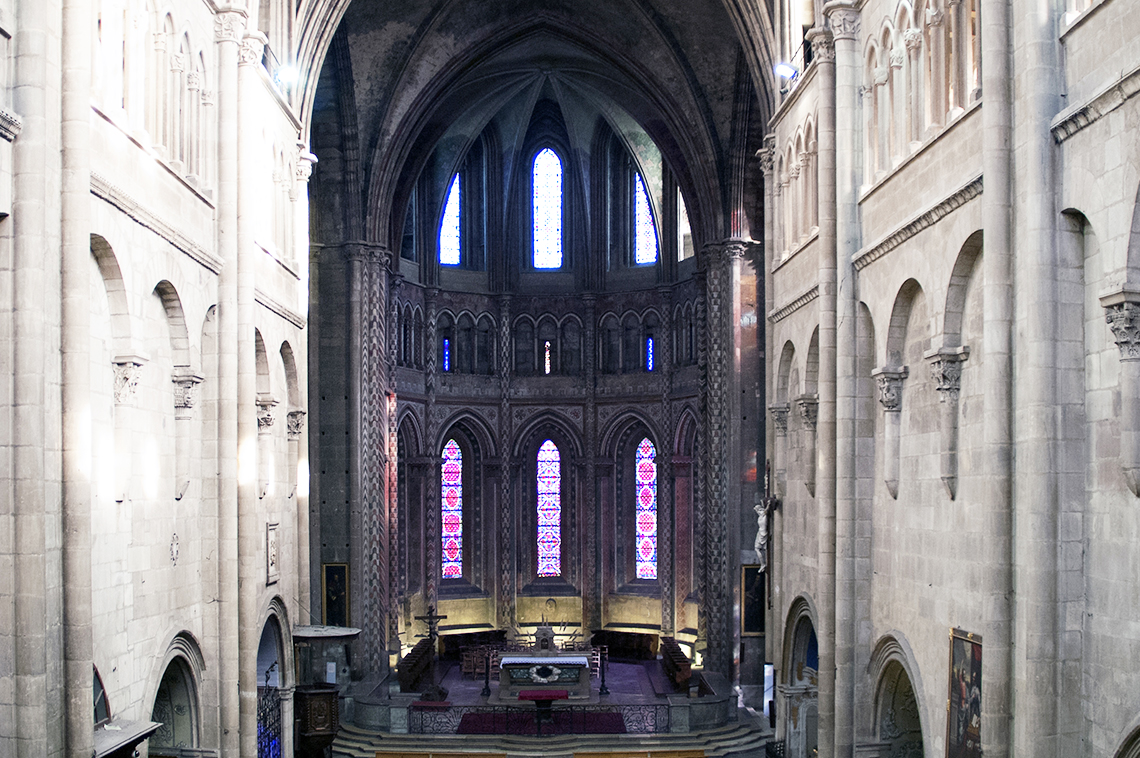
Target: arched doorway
{"x":268,"y":692}
{"x":176,"y":708}
{"x":898,"y":727}
{"x":801,"y":692}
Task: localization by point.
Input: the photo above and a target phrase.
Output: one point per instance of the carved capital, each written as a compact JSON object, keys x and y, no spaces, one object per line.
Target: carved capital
{"x":898,"y":57}
{"x":296,"y":422}
{"x":946,"y":370}
{"x":265,"y":404}
{"x":934,"y":16}
{"x":890,"y":382}
{"x":881,"y":74}
{"x":252,"y":49}
{"x":1123,"y":319}
{"x":229,"y":25}
{"x":207,"y":97}
{"x":366,"y":252}
{"x":822,"y":45}
{"x":843,"y":22}
{"x":809,"y":409}
{"x":185,"y":392}
{"x":178,"y":63}
{"x":160,"y":41}
{"x":912,"y":38}
{"x":126,"y":377}
{"x":193,"y":81}
{"x":779,"y":412}
{"x":767,"y":155}
{"x":305,"y":161}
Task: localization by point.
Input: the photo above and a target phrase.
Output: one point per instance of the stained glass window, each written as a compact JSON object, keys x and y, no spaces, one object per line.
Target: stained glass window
{"x":451,"y":506}
{"x":646,"y":545}
{"x":547,"y":356}
{"x":547,"y":183}
{"x":446,"y":354}
{"x":449,"y":250}
{"x":549,"y":510}
{"x":648,"y":353}
{"x":644,"y":232}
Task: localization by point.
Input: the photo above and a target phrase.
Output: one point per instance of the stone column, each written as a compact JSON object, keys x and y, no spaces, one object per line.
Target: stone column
{"x":808,"y":407}
{"x":251,"y":522}
{"x":433,"y":558}
{"x":506,"y":546}
{"x":666,"y":574}
{"x":1122,"y":313}
{"x":127,"y":369}
{"x":266,"y":476}
{"x":298,"y":474}
{"x":938,"y":62}
{"x":720,"y":263}
{"x":591,"y":573}
{"x":890,"y":382}
{"x":912,"y":40}
{"x":946,"y":371}
{"x":229,"y":25}
{"x":957,"y":54}
{"x":75,"y":338}
{"x":779,"y":414}
{"x":186,"y":386}
{"x":997,"y":376}
{"x":368,"y":448}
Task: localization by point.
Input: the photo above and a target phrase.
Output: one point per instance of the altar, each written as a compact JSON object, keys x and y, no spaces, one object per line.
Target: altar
{"x":521,"y":671}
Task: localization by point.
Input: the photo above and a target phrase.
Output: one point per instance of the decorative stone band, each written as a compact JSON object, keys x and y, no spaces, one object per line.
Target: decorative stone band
{"x":890,"y":382}
{"x":126,"y":377}
{"x":296,"y":422}
{"x":1074,"y":119}
{"x":10,"y":125}
{"x":922,"y":221}
{"x":1122,"y":313}
{"x":946,"y":370}
{"x":265,"y":404}
{"x":809,"y":409}
{"x":779,"y":314}
{"x":779,"y":413}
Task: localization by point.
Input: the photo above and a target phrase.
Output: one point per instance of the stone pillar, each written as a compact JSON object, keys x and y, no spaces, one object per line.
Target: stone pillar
{"x":591,"y":573}
{"x":779,"y":414}
{"x":368,"y":388}
{"x":229,"y":25}
{"x":127,"y":369}
{"x":298,"y":474}
{"x":75,"y":338}
{"x":890,"y":382}
{"x":1122,"y":313}
{"x":958,"y":26}
{"x":808,"y":407}
{"x":666,"y":538}
{"x":720,"y":440}
{"x":266,"y":476}
{"x":915,"y":106}
{"x":935,"y":18}
{"x":946,"y":371}
{"x":997,"y":376}
{"x":251,"y":523}
{"x":186,"y":387}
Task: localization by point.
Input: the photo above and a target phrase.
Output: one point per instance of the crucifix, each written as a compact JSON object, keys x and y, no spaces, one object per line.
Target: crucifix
{"x":768,"y":505}
{"x":433,"y":692}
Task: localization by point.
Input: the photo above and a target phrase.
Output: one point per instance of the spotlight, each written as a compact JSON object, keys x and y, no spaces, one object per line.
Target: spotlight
{"x":786,"y":71}
{"x":286,"y":76}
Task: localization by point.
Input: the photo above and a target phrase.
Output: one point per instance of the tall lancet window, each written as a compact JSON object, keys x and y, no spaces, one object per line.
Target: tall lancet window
{"x":549,"y":510}
{"x":646,"y":510}
{"x":451,"y":506}
{"x":546,"y":181}
{"x":450,"y":248}
{"x":644,"y":230}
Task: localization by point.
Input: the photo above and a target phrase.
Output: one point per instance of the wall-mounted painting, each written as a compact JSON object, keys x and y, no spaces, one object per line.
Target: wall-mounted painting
{"x":964,"y":715}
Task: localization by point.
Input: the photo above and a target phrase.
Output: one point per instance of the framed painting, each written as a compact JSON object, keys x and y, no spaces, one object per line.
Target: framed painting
{"x":964,"y":706}
{"x":334,"y":588}
{"x":752,"y":601}
{"x":272,"y":553}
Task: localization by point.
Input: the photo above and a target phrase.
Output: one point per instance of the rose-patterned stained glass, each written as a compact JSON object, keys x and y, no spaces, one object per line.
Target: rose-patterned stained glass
{"x":547,"y":184}
{"x":549,"y":510}
{"x":646,"y":544}
{"x":644,"y":231}
{"x":451,"y":506}
{"x":449,"y":246}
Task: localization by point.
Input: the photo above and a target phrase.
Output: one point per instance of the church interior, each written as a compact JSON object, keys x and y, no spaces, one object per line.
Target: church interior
{"x":570,"y":378}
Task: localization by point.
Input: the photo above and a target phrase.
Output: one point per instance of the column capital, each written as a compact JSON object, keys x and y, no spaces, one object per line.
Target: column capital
{"x":186,"y":383}
{"x":809,"y":409}
{"x":229,"y":24}
{"x":265,"y":402}
{"x":767,"y":155}
{"x":296,"y":422}
{"x":1122,"y":314}
{"x":822,"y":44}
{"x":252,"y":48}
{"x":724,"y":251}
{"x":843,"y":19}
{"x":366,"y":252}
{"x":779,"y":413}
{"x":305,"y":161}
{"x":126,"y":377}
{"x":946,"y":370}
{"x":898,"y":57}
{"x":890,"y":382}
{"x":912,"y":38}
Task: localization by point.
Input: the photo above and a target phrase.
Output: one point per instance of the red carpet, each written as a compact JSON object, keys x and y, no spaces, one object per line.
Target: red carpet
{"x":522,"y":723}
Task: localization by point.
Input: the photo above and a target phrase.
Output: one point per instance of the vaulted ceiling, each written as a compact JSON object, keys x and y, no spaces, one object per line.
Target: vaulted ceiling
{"x":409,"y":77}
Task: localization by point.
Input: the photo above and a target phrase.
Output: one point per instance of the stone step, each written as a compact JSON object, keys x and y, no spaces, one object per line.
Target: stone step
{"x":737,"y":740}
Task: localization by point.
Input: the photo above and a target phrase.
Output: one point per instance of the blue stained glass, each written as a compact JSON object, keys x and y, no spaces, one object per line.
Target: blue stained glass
{"x":648,"y":353}
{"x":644,"y":231}
{"x":646,"y":512}
{"x":549,"y":510}
{"x":446,"y":354}
{"x":547,"y":183}
{"x":451,"y":510}
{"x":449,"y":250}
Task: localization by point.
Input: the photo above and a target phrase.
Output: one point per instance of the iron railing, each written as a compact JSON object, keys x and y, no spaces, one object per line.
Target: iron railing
{"x":268,"y":722}
{"x":774,"y":749}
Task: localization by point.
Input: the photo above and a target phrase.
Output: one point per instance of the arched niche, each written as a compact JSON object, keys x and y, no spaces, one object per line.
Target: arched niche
{"x":176,"y":708}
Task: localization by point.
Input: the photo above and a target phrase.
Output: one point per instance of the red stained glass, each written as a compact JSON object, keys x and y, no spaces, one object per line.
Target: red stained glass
{"x":646,"y":537}
{"x":549,"y":510}
{"x":451,"y":501}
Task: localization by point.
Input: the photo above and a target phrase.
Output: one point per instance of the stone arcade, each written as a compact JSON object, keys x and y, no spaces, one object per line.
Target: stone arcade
{"x":318,"y":315}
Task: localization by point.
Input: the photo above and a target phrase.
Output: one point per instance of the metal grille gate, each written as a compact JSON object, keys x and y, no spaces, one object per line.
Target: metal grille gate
{"x":268,"y":722}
